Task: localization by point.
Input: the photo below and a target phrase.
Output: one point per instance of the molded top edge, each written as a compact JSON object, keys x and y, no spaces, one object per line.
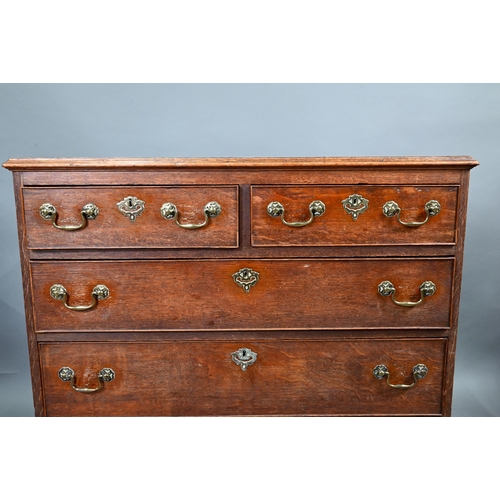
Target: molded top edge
{"x":465,"y":162}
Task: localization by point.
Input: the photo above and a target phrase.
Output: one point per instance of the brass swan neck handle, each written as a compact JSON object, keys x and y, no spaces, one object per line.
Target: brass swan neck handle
{"x":392,"y":209}
{"x":316,"y":208}
{"x":419,"y":371}
{"x":100,"y":292}
{"x":170,"y":211}
{"x":386,"y":289}
{"x":67,"y":374}
{"x":88,"y":212}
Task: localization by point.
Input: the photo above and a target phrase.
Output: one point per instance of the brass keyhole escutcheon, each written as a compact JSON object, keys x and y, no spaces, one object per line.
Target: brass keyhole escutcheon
{"x":246,"y":278}
{"x":131,"y":207}
{"x":355,"y":205}
{"x":244,"y":357}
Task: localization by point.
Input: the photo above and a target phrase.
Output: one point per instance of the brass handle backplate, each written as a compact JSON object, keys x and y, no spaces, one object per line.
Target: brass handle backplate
{"x":386,"y":288}
{"x":244,"y":357}
{"x":169,"y":211}
{"x":67,"y":374}
{"x":100,"y":292}
{"x":391,"y":209}
{"x":419,"y":371}
{"x":88,"y":212}
{"x":316,"y":208}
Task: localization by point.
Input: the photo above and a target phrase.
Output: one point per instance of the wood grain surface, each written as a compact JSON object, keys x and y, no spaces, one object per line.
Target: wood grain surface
{"x":112,"y":229}
{"x":202,"y":295}
{"x":337,"y":227}
{"x":175,"y":314}
{"x":288,"y":378}
{"x":304,"y":163}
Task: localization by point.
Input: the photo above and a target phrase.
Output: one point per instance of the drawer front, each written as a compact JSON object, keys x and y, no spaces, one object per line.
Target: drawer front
{"x":351,"y":220}
{"x":225,"y":294}
{"x":286,"y":378}
{"x":123,"y":222}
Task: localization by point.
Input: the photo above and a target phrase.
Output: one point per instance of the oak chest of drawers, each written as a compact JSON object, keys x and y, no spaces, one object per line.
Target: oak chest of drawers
{"x":242,"y":286}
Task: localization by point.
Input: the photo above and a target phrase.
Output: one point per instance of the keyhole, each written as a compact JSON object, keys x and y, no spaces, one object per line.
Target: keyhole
{"x":244,"y":353}
{"x":130,"y":203}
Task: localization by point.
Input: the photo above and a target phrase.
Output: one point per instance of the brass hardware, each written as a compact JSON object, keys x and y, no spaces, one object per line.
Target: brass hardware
{"x":391,"y":209}
{"x":246,"y":278}
{"x":131,"y":207}
{"x":100,"y":292}
{"x":211,"y":209}
{"x":244,"y":357}
{"x":66,"y":374}
{"x":276,"y":209}
{"x":88,"y":212}
{"x":355,"y":205}
{"x":419,"y":371}
{"x":386,"y":288}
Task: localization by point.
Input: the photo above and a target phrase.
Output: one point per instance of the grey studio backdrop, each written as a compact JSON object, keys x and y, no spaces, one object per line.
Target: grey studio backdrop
{"x":143,"y":120}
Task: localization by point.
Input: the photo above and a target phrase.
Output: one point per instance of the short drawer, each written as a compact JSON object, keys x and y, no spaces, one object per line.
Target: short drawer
{"x":353,"y":215}
{"x":226,"y":294}
{"x":334,"y":377}
{"x":132,"y":217}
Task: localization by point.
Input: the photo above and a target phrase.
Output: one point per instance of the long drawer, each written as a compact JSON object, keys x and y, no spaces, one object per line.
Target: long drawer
{"x":209,"y":378}
{"x":227,"y":294}
{"x":132,"y":217}
{"x":353,"y":215}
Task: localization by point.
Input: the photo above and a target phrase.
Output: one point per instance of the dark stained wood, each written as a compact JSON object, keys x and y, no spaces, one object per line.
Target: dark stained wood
{"x":112,"y":229}
{"x":36,"y":380}
{"x":288,"y":378}
{"x":152,"y":336}
{"x":455,"y":303}
{"x":201,"y":295}
{"x":306,"y":163}
{"x":175,"y":314}
{"x":336,"y":227}
{"x":177,"y":177}
{"x":245,"y":251}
